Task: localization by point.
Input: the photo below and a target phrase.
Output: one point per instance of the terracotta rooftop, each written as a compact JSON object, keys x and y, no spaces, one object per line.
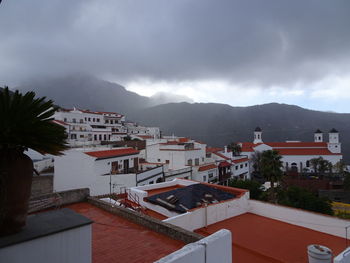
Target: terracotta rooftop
{"x":115,"y":239}
{"x":221,"y":155}
{"x":112,"y":153}
{"x":297,"y":144}
{"x":241,"y":160}
{"x":213,"y":149}
{"x":207,"y":167}
{"x":260,"y":239}
{"x":305,"y":151}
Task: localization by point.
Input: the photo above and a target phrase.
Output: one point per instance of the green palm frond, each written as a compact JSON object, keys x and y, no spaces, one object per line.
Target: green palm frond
{"x":26,"y":122}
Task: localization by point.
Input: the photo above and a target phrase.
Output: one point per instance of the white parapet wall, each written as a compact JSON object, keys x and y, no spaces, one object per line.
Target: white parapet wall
{"x":343,"y":257}
{"x":70,"y":246}
{"x":212,"y":249}
{"x":315,"y":221}
{"x":201,"y":217}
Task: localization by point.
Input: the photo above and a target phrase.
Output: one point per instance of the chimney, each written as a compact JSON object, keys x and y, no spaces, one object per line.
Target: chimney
{"x":319,"y":254}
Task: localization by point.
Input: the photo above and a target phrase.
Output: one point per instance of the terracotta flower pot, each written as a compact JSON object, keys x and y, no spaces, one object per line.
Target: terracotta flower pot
{"x":16,"y":171}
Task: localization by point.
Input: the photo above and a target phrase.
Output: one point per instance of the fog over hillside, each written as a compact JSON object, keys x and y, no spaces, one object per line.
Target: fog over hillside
{"x":216,"y":124}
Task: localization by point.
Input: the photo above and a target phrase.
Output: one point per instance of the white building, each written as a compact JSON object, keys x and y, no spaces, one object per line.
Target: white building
{"x":135,"y":129}
{"x":91,"y":127}
{"x":229,"y":166}
{"x":296,"y":155}
{"x":183,"y":158}
{"x":102,"y":170}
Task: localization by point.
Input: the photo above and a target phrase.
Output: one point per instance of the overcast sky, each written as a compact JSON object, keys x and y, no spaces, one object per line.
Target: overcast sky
{"x":236,"y":52}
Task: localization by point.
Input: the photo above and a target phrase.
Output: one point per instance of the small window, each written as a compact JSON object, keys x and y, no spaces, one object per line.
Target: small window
{"x":151,"y":182}
{"x":204,"y":178}
{"x":74,"y":120}
{"x":189,"y":162}
{"x":246,"y":164}
{"x":167,"y":161}
{"x":81,"y":136}
{"x":106,"y":121}
{"x":65,"y":119}
{"x":89,"y":119}
{"x":236,"y":167}
{"x":196,"y":162}
{"x":85,"y":119}
{"x":159,"y":160}
{"x":93,"y":119}
{"x":241,"y":166}
{"x":211,"y":175}
{"x":95,"y":137}
{"x":307,"y":163}
{"x":81,"y":121}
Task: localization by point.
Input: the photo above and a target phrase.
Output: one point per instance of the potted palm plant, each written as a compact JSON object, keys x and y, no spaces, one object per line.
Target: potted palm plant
{"x":25,"y":122}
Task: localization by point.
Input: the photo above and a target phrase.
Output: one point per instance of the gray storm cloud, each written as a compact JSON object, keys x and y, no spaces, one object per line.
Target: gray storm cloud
{"x":272,"y":42}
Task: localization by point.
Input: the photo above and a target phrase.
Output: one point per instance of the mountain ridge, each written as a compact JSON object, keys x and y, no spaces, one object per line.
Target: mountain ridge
{"x":214,"y":123}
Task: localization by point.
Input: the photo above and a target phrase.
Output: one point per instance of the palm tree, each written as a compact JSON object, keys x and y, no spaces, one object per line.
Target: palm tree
{"x":235,"y":148}
{"x":271,"y":169}
{"x":25,"y":122}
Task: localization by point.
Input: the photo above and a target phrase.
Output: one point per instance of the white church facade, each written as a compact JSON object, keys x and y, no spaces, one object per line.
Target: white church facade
{"x":296,"y":155}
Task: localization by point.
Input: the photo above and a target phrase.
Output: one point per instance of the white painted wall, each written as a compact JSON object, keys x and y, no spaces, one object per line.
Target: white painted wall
{"x":70,"y":246}
{"x":212,"y":249}
{"x":76,"y":169}
{"x":304,"y":158}
{"x":322,"y":223}
{"x":343,"y":257}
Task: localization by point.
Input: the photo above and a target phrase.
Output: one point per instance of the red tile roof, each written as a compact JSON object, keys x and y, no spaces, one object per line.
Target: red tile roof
{"x":213,"y":149}
{"x":297,"y":144}
{"x":248,"y":146}
{"x":224,"y":164}
{"x":113,"y":153}
{"x":241,"y":160}
{"x":305,"y":151}
{"x":183,"y":139}
{"x":261,"y":239}
{"x":207,"y":167}
{"x":115,"y":239}
{"x":221,"y":155}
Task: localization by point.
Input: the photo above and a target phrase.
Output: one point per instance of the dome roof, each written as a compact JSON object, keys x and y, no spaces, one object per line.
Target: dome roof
{"x":333,"y":131}
{"x":318,"y":131}
{"x":258,"y":129}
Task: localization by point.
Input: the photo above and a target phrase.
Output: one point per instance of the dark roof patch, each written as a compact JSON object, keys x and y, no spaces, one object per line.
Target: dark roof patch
{"x":182,"y":199}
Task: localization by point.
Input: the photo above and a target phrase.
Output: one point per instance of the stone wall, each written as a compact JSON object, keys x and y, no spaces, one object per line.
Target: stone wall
{"x":42,"y":185}
{"x":170,"y":230}
{"x":58,"y":199}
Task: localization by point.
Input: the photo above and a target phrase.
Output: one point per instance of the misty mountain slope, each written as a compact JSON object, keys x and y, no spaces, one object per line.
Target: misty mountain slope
{"x":219,"y":124}
{"x":87,"y":92}
{"x":215,"y":124}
